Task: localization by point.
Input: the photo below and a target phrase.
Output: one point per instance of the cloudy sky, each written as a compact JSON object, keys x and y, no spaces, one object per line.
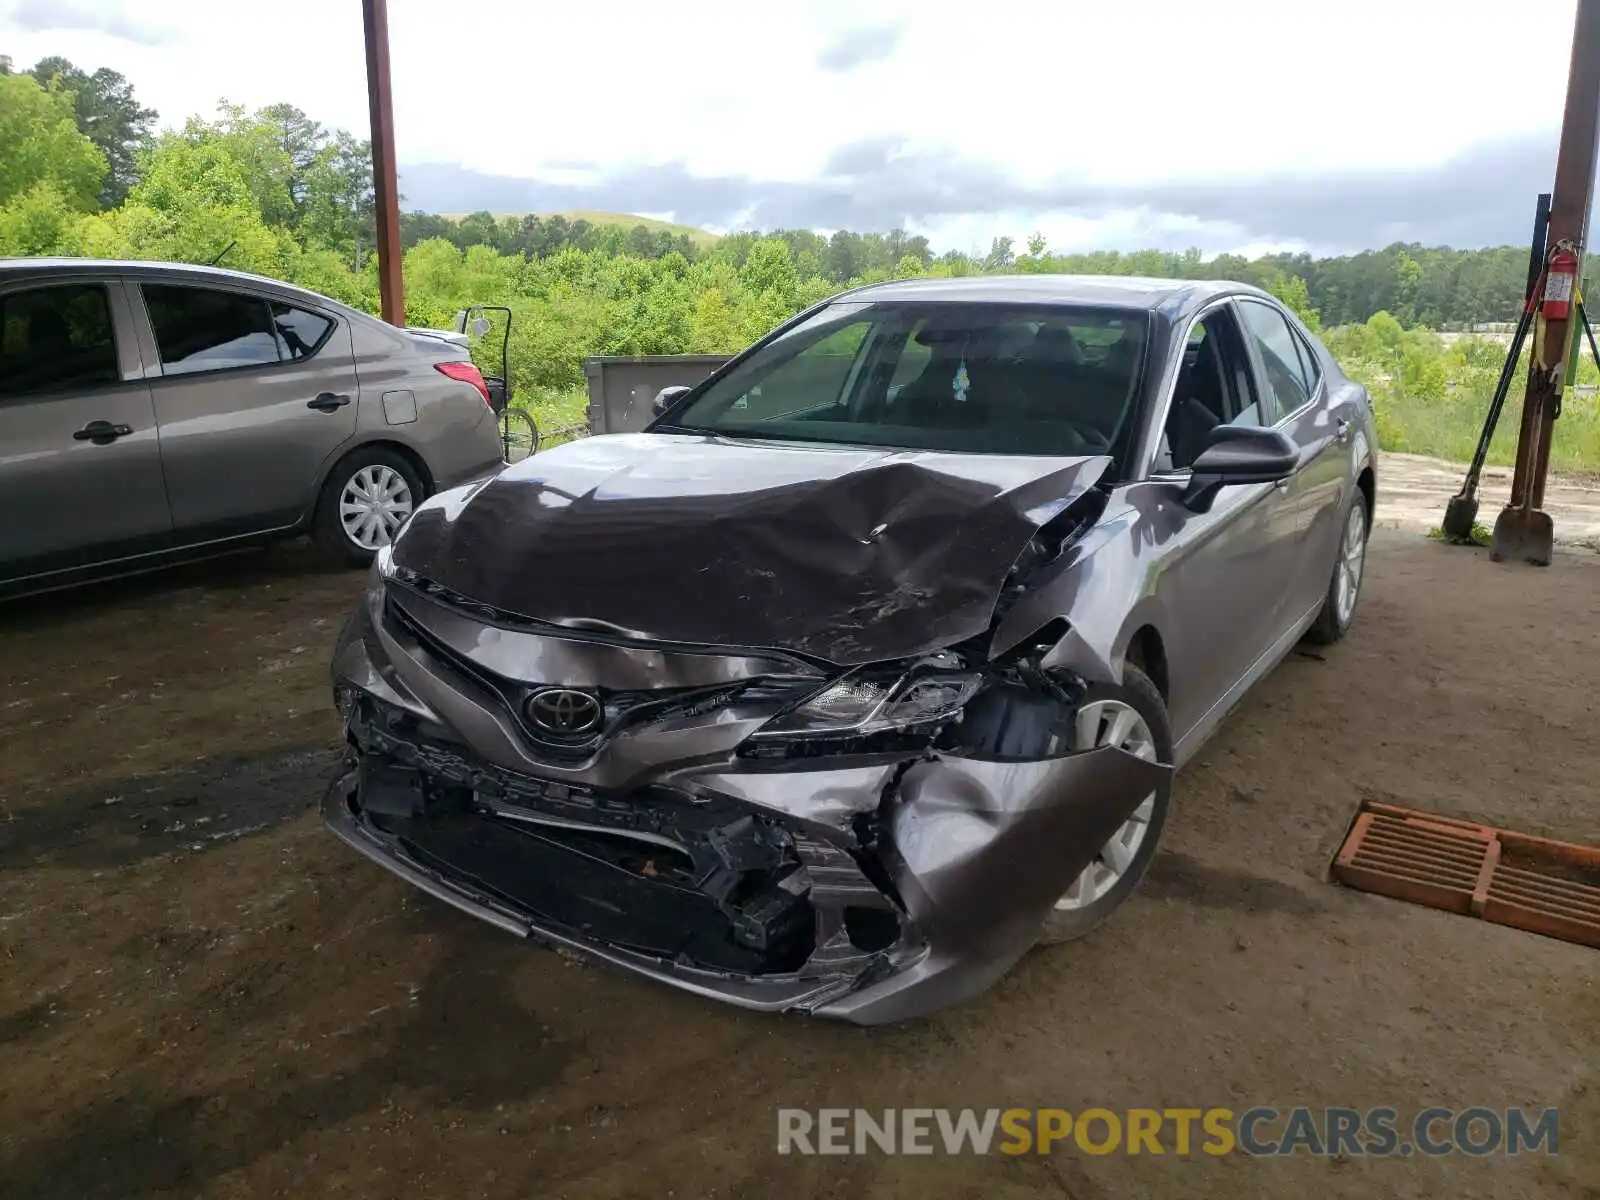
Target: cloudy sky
{"x":1227,"y":124}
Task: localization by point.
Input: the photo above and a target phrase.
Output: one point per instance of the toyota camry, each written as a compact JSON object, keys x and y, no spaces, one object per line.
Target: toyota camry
{"x":867,"y":665}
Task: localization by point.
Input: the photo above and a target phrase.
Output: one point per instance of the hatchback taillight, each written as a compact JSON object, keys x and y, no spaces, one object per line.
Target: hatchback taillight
{"x":465,"y":372}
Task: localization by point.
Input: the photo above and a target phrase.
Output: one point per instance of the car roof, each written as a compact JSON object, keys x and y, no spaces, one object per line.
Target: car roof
{"x":190,"y":272}
{"x":1172,"y":297}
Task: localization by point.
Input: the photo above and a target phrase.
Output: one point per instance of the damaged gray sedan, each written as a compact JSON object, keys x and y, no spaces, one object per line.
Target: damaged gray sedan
{"x":867,"y":666}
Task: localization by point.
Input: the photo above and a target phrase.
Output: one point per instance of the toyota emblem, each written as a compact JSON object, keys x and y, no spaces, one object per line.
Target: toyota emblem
{"x":564,"y":712}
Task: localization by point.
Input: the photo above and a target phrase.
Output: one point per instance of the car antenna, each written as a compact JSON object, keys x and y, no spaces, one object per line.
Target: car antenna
{"x":224,"y":253}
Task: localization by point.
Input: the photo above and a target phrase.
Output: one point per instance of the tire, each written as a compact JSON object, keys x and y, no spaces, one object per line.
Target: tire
{"x":519,"y":436}
{"x":1024,"y":725}
{"x":1138,"y":693}
{"x":354,"y":471}
{"x":1335,"y":617}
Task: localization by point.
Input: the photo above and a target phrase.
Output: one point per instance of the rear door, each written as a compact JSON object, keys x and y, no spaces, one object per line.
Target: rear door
{"x":80,"y":463}
{"x":252,"y":396}
{"x":1292,"y":383}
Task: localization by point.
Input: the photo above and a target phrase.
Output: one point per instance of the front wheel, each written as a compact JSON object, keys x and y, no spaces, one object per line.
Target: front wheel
{"x":1133,"y":718}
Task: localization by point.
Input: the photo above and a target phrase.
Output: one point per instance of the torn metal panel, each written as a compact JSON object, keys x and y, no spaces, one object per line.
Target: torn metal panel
{"x":844,"y":554}
{"x":986,"y":847}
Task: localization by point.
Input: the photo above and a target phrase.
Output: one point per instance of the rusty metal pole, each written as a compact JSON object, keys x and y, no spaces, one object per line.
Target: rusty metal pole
{"x":1523,"y":531}
{"x":385,"y":190}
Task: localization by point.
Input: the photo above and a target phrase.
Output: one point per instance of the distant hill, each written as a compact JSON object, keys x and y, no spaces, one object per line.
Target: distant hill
{"x":453,"y":190}
{"x":702,"y":238}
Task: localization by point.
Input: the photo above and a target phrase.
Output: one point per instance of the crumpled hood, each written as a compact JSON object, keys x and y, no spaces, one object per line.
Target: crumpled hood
{"x":846,"y":554}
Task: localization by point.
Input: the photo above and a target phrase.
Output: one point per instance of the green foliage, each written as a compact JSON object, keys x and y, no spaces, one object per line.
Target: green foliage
{"x":41,"y":144}
{"x":107,"y":114}
{"x":286,"y":197}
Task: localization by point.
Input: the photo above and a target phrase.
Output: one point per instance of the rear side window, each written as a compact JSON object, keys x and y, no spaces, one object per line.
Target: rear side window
{"x":199,"y":329}
{"x":1280,"y":352}
{"x":56,"y":339}
{"x":299,"y":332}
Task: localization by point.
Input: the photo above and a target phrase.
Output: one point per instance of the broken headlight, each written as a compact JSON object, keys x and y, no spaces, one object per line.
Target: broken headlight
{"x":873,"y":700}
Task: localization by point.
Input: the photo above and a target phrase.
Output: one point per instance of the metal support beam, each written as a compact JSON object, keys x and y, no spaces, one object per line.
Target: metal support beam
{"x":1523,"y":531}
{"x":385,"y":190}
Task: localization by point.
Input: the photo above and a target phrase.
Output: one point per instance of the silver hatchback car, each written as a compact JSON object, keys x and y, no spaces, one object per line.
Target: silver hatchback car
{"x":155,"y":411}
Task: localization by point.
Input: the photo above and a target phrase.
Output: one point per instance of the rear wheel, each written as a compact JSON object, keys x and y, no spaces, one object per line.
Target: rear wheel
{"x":366,"y":500}
{"x":1349,"y":568}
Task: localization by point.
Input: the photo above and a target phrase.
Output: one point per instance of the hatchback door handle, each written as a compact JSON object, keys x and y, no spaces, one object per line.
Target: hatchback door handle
{"x":1342,"y":430}
{"x":102,"y":433}
{"x":328,"y":402}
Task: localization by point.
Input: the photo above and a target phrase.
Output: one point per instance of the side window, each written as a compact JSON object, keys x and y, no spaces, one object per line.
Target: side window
{"x":1285,"y":382}
{"x":198,"y":329}
{"x":1213,"y":388}
{"x":814,"y":378}
{"x":56,"y":339}
{"x":1310,"y":369}
{"x":299,"y":333}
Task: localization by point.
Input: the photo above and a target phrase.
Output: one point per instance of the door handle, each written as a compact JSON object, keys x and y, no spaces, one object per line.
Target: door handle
{"x":1282,"y":484}
{"x":1342,"y":431}
{"x":328,"y":402}
{"x":101,"y":433}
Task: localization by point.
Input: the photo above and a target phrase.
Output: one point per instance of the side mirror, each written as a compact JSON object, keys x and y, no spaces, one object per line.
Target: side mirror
{"x":1237,"y":454}
{"x":667,"y":397}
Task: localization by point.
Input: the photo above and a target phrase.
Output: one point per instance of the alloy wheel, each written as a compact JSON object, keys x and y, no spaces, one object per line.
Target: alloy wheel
{"x":1352,"y":560}
{"x":375,"y":503}
{"x":1112,"y":723}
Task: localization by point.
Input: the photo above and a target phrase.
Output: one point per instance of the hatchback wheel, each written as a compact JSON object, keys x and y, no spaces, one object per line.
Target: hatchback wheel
{"x":366,"y":501}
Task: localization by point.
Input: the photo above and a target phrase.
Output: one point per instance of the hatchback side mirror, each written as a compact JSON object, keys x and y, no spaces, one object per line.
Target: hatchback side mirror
{"x":1237,"y":454}
{"x":667,"y":397}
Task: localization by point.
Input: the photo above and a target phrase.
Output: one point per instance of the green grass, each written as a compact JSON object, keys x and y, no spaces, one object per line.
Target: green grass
{"x":1449,"y":429}
{"x":554,"y":408}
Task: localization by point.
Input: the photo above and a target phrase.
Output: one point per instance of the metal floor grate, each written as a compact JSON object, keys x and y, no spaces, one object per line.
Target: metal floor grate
{"x":1508,"y":878}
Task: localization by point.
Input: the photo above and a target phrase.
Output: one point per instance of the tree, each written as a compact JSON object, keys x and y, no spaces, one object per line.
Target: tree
{"x":1000,"y":255}
{"x":1036,"y":245}
{"x":337,"y":207}
{"x":303,"y":141}
{"x":108,"y":115}
{"x":39,"y":133}
{"x":844,"y":256}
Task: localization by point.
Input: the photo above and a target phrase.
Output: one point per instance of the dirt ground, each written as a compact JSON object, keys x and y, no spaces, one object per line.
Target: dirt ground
{"x":203,"y":994}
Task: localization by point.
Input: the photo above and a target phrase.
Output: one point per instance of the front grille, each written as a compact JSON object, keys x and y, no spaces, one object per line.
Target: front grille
{"x":622,"y":708}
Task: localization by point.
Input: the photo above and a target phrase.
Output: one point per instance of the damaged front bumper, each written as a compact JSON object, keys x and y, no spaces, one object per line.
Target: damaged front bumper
{"x":867,"y":886}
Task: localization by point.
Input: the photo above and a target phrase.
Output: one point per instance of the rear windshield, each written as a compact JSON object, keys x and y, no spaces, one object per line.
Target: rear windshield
{"x":985,"y":378}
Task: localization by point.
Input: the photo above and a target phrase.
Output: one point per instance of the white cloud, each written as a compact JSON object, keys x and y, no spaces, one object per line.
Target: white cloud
{"x":1132,"y":95}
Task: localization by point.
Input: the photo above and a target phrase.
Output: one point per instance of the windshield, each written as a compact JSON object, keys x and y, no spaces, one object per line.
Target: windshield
{"x":985,"y":378}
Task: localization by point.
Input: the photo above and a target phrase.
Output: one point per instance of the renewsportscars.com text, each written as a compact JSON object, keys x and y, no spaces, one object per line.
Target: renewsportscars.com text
{"x":1262,"y":1132}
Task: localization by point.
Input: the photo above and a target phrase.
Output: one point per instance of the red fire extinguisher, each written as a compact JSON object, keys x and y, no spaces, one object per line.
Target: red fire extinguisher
{"x":1560,"y":282}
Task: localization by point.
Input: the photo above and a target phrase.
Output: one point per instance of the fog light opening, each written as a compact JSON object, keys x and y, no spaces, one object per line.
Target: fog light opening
{"x":871,"y":929}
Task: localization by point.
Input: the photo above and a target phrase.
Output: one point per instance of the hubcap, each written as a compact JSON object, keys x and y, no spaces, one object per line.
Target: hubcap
{"x":1112,"y":723}
{"x":1352,"y":558}
{"x":376,"y":501}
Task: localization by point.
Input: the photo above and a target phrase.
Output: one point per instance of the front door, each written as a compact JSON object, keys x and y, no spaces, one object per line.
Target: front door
{"x":1224,"y":581}
{"x":254,"y":395}
{"x":80,"y":463}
